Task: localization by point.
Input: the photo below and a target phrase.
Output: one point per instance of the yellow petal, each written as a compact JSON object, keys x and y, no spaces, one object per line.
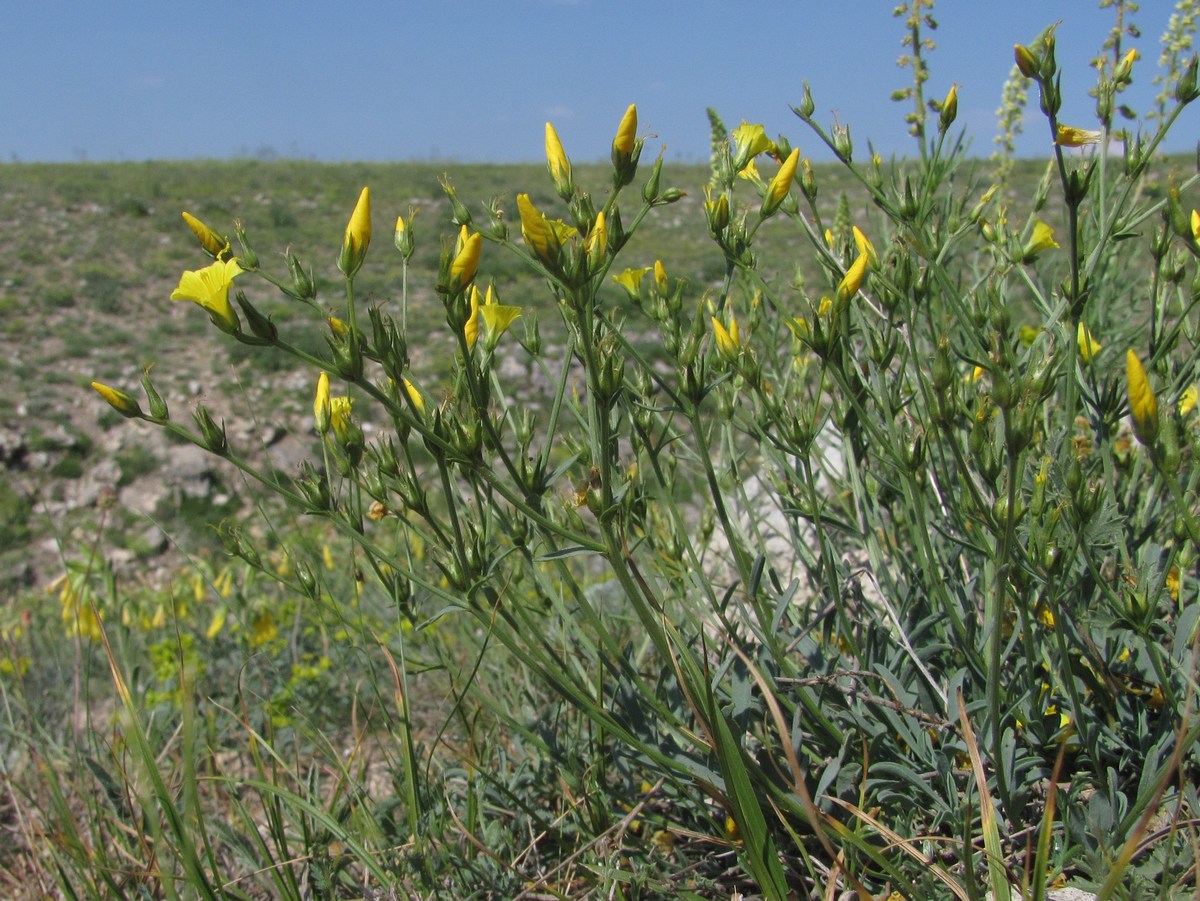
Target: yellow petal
{"x":1143,"y":406}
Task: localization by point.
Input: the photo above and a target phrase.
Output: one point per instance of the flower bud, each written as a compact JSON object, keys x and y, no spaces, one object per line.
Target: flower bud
{"x":807,"y":104}
{"x":118,"y":400}
{"x":357,"y":237}
{"x":462,"y":216}
{"x":558,"y":164}
{"x":158,"y":406}
{"x":949,"y":109}
{"x":1027,"y":63}
{"x":626,"y":148}
{"x":217,"y":246}
{"x":212,"y":434}
{"x":780,"y":185}
{"x":1185,"y":88}
{"x":404,"y":235}
{"x":1143,"y":407}
{"x":321,"y":408}
{"x":261,"y":326}
{"x":466,"y":259}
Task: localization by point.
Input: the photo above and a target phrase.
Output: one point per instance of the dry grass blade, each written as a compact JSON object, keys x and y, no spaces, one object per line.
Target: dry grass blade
{"x":1001,"y":889}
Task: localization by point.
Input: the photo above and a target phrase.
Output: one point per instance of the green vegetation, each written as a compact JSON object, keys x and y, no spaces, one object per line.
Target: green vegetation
{"x":668,"y":532}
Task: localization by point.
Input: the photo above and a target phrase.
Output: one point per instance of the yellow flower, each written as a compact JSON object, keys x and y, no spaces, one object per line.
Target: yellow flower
{"x":118,"y":400}
{"x":853,"y":278}
{"x":471,"y":327}
{"x":661,"y":284}
{"x":557,"y":162}
{"x":1069,"y":136}
{"x":347,"y":433}
{"x":1173,"y":583}
{"x":263,"y":628}
{"x":321,"y":404}
{"x":778,"y":189}
{"x":209,"y":287}
{"x":727,"y":339}
{"x":1196,"y":228}
{"x":1143,"y":407}
{"x":209,"y":239}
{"x":535,"y":230}
{"x":497,"y":317}
{"x":466,"y":260}
{"x":750,"y":173}
{"x":358,"y":235}
{"x":1088,"y":345}
{"x":414,"y":395}
{"x":865,"y":247}
{"x":748,"y":142}
{"x":1042,"y":239}
{"x":631,"y":281}
{"x":217,"y":623}
{"x":623,"y":143}
{"x":1187,"y":402}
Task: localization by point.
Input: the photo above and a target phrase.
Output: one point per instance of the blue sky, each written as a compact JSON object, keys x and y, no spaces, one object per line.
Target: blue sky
{"x":475,"y":80}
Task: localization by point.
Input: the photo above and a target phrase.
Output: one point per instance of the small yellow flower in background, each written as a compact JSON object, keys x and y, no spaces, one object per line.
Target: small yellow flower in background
{"x":263,"y":628}
{"x":853,"y":278}
{"x":1173,"y":583}
{"x":623,"y":143}
{"x":358,"y":235}
{"x":217,"y":246}
{"x":748,"y":142}
{"x":732,"y":832}
{"x":1187,"y":402}
{"x":1143,"y":407}
{"x":224,"y":583}
{"x":321,"y":404}
{"x":557,"y":162}
{"x":1069,"y":136}
{"x":414,"y":395}
{"x":727,"y":339}
{"x":631,"y":281}
{"x":466,"y":259}
{"x":217,"y":623}
{"x":1045,"y":617}
{"x":1196,"y":227}
{"x":118,"y":400}
{"x":209,"y":287}
{"x":781,"y":184}
{"x":1041,"y":240}
{"x":1088,"y":345}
